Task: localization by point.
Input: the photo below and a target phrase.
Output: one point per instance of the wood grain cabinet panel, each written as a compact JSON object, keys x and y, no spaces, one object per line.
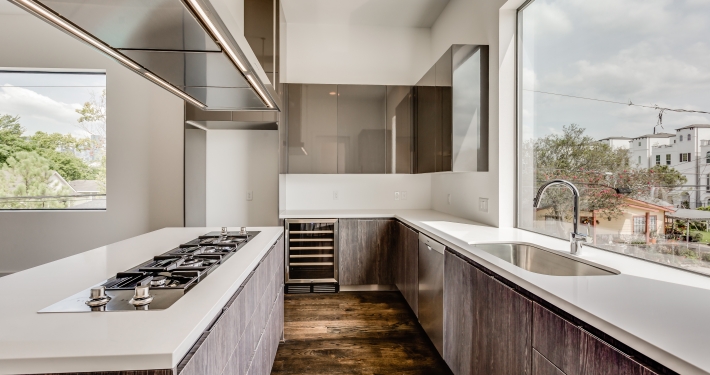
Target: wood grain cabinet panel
{"x":411,"y":269}
{"x":487,"y":325}
{"x":577,"y":352}
{"x":557,"y":340}
{"x":397,"y":259}
{"x":541,"y":366}
{"x":365,"y":251}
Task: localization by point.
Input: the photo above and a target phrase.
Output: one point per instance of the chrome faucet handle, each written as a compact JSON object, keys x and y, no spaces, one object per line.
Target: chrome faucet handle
{"x":576,"y":241}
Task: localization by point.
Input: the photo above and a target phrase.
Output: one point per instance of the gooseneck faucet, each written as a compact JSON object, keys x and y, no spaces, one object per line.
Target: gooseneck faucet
{"x":575,"y":238}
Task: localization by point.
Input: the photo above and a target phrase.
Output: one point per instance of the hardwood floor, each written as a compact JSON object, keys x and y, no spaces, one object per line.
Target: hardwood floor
{"x":354,"y":333}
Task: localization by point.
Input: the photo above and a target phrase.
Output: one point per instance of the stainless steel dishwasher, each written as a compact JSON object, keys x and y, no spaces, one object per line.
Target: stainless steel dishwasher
{"x":431,"y":290}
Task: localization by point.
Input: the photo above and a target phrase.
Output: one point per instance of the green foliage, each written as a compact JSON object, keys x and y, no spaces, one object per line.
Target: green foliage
{"x":27,"y":164}
{"x":11,"y":137}
{"x":68,"y":166}
{"x":27,"y":174}
{"x":696,"y":237}
{"x":58,"y":149}
{"x":597,"y":170}
{"x":93,"y":115}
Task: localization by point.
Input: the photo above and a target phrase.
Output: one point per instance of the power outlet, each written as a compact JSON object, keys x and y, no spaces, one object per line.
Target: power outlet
{"x":250,"y":195}
{"x":396,"y":195}
{"x":403,"y":195}
{"x":483,"y":204}
{"x":335,"y":195}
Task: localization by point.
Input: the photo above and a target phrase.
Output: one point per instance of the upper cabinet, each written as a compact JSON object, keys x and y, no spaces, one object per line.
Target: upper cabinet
{"x":451,"y":112}
{"x":312,"y":128}
{"x":361,"y":128}
{"x":438,"y":125}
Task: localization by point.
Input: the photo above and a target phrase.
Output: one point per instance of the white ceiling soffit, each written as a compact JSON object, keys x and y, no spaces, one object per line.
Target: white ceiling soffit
{"x":7,"y":7}
{"x":397,"y":13}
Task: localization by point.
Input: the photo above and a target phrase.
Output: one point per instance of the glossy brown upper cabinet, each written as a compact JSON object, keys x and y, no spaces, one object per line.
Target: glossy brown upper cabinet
{"x":312,"y":128}
{"x":439,"y":125}
{"x":348,"y":129}
{"x":361,"y":128}
{"x":451,"y":112}
{"x":399,"y":140}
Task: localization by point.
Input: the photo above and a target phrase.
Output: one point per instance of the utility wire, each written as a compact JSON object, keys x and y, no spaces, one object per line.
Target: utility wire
{"x":660,"y":109}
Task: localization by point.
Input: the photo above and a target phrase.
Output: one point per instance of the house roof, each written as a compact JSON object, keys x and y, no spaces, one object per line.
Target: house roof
{"x":610,"y":138}
{"x":85,"y":186}
{"x":694,"y":126}
{"x":646,"y":205}
{"x":659,"y":135}
{"x":683,"y":213}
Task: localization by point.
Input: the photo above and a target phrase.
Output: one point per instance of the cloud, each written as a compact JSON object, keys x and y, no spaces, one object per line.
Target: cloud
{"x":628,"y":16}
{"x":38,"y":112}
{"x":641,"y":73}
{"x":546,"y":19}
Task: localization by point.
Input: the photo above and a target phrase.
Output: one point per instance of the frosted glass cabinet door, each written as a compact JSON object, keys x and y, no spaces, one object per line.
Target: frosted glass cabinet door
{"x":361,"y":128}
{"x":312,"y":129}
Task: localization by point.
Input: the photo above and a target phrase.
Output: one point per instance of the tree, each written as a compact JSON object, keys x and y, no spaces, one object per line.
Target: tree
{"x":27,"y":174}
{"x":597,"y":170}
{"x":59,"y":150}
{"x":11,"y":137}
{"x":93,"y":115}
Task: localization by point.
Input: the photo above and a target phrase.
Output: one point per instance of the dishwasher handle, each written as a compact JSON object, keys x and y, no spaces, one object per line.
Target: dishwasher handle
{"x":431,"y":244}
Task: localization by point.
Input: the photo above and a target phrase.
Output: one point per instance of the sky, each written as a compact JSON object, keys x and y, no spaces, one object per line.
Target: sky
{"x":650,"y":52}
{"x":48,"y":102}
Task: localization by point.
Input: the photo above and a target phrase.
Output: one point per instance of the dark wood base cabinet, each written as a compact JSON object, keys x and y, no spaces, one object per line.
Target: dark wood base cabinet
{"x":366,"y":251}
{"x":487,"y":325}
{"x":406,"y":265}
{"x":492,"y":327}
{"x":574,"y":351}
{"x":244,"y":338}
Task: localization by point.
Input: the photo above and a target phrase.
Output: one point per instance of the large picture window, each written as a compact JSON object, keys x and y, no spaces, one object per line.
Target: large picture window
{"x":605,"y":93}
{"x":52,"y":140}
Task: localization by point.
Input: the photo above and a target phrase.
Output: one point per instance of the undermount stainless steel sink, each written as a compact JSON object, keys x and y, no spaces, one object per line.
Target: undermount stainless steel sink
{"x":547,"y":262}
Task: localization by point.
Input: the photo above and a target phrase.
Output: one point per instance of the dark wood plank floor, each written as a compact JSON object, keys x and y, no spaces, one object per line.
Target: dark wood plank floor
{"x":354,"y":333}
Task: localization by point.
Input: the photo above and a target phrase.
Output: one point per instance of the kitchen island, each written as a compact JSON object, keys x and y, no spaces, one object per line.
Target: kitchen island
{"x":652,"y":309}
{"x":160,"y":341}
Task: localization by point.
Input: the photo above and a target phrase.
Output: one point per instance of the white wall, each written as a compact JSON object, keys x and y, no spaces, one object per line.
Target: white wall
{"x":195,"y":178}
{"x":239,"y":161}
{"x":483,"y":22}
{"x":144,"y":146}
{"x":355,"y":54}
{"x":356,"y":191}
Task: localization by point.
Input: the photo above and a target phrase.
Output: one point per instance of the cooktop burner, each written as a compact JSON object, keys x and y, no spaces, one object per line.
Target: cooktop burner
{"x":157,"y":283}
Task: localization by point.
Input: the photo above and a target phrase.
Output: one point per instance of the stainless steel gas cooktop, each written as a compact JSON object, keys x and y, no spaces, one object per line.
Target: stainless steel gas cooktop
{"x":157,"y":283}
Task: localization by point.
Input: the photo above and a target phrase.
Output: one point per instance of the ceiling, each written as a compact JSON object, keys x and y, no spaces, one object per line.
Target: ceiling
{"x":397,"y":13}
{"x":7,"y":7}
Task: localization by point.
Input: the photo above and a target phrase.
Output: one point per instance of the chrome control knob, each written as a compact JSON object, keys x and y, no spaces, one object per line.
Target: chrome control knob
{"x":224,"y":231}
{"x":243,"y":230}
{"x":141,"y":296}
{"x":98,"y":297}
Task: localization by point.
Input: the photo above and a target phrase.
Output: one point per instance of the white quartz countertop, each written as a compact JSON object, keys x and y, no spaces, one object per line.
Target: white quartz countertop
{"x":660,"y":311}
{"x":108,"y":341}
